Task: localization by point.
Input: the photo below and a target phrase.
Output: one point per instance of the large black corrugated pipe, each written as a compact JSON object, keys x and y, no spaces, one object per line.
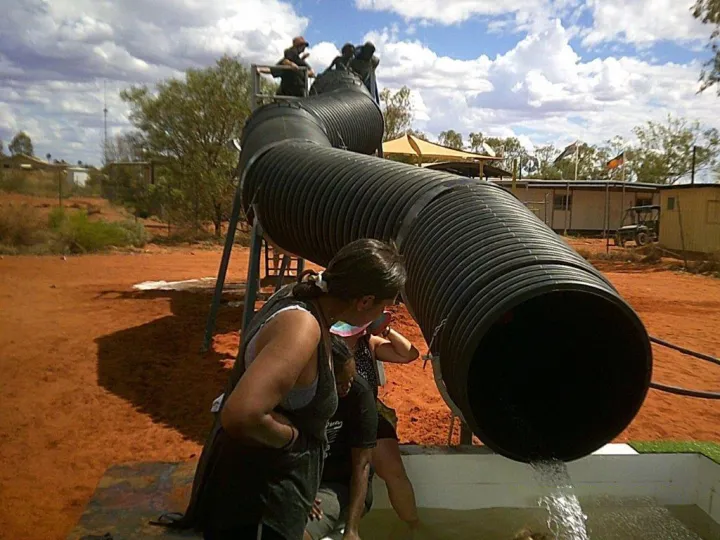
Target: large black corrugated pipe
{"x":340,"y":113}
{"x":538,"y":352}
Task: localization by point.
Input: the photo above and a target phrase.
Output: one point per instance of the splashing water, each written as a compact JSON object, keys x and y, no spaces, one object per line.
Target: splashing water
{"x":566,"y":519}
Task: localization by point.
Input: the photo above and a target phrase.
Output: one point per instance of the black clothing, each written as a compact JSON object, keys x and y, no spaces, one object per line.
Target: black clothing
{"x":385,"y":429}
{"x":365,"y":363}
{"x":354,"y":425}
{"x":237,"y":485}
{"x":292,"y":83}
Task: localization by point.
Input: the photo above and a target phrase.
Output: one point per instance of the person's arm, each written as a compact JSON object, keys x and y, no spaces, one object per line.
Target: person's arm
{"x":363,"y":431}
{"x":394,"y":348}
{"x":285,"y":348}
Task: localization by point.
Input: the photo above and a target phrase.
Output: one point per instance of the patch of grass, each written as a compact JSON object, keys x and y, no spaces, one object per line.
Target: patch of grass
{"x":23,"y":231}
{"x":613,"y":256}
{"x":708,"y":449}
{"x":77,"y":234}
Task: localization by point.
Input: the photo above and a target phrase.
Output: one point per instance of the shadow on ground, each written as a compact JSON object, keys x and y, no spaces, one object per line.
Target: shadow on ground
{"x":158,"y":366}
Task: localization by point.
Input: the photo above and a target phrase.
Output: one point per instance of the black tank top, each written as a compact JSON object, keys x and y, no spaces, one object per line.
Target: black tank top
{"x":237,"y":485}
{"x":365,"y":363}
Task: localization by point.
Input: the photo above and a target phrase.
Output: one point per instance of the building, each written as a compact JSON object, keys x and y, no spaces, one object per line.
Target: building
{"x":580,"y":207}
{"x":28,"y":163}
{"x":690,"y":218}
{"x":585,"y":206}
{"x":77,"y":175}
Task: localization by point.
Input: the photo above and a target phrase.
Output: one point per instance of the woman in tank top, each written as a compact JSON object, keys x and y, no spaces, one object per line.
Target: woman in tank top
{"x":380,"y":343}
{"x":260,"y":468}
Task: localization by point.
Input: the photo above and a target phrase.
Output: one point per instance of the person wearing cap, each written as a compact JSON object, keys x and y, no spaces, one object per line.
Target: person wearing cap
{"x":342,"y":62}
{"x":292,"y":82}
{"x":372,"y":343}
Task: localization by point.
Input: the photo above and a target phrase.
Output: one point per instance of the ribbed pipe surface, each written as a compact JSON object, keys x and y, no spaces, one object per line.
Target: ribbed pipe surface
{"x":537,"y":350}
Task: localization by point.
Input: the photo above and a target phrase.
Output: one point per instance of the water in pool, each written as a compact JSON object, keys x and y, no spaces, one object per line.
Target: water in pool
{"x":636,"y":519}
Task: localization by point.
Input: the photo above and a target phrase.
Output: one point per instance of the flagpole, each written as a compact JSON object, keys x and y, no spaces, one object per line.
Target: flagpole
{"x":577,"y":157}
{"x":622,"y":205}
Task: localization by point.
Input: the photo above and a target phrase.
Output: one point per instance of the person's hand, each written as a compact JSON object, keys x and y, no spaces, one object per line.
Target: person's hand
{"x":316,"y":513}
{"x":351,"y":535}
{"x":305,"y":55}
{"x":380,"y":324}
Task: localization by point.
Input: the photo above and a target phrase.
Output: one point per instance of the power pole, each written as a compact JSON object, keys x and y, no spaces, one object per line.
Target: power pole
{"x":105,"y":132}
{"x":692,"y":174}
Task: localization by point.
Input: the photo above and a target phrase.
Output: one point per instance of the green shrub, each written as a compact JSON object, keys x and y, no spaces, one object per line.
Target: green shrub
{"x":77,"y":234}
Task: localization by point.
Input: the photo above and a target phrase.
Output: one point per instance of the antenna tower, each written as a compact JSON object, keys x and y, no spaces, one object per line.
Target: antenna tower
{"x":105,"y":132}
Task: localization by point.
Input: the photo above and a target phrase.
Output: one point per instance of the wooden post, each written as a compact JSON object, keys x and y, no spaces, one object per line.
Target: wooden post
{"x":60,"y":203}
{"x":682,"y":234}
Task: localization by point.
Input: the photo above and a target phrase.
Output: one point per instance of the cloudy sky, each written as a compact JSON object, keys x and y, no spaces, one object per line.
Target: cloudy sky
{"x":544,"y":70}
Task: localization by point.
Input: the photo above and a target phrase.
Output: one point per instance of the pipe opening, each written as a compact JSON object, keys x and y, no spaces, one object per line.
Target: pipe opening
{"x":558,"y":376}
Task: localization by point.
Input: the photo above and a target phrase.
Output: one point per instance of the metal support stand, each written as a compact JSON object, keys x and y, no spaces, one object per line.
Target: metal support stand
{"x":256,"y":242}
{"x":253,"y":275}
{"x":222,"y":272}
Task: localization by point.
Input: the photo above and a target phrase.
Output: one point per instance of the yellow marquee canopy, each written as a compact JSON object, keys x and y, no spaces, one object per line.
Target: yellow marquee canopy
{"x":409,"y":145}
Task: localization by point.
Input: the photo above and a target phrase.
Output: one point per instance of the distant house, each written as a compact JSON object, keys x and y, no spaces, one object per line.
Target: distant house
{"x":29,"y":163}
{"x":77,"y":175}
{"x":585,"y":206}
{"x":690,"y":218}
{"x":580,"y":207}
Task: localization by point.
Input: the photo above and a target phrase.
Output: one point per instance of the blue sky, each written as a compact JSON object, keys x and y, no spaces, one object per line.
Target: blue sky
{"x":548,"y":71}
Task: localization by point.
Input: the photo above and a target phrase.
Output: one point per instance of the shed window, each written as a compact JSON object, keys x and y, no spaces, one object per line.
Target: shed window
{"x":559,"y":202}
{"x":643,"y":201}
{"x":671,"y":203}
{"x":713,"y":212}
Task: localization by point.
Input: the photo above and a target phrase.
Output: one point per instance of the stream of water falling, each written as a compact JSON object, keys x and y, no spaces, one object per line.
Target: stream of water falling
{"x":566,"y":519}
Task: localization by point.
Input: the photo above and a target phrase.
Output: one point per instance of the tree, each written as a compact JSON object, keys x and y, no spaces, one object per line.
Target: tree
{"x":21,"y":144}
{"x":418,"y":134}
{"x":1,"y":148}
{"x":547,"y":170}
{"x":451,"y":138}
{"x":708,"y":12}
{"x":398,"y":112}
{"x":187,"y":124}
{"x":508,"y":150}
{"x":475,"y":140}
{"x":663,"y":153}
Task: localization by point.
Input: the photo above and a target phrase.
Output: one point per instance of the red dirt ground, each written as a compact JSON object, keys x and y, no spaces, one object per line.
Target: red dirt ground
{"x":93,"y":373}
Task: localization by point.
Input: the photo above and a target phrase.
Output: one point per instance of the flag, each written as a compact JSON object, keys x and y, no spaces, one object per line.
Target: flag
{"x":616,"y":161}
{"x":570,"y":150}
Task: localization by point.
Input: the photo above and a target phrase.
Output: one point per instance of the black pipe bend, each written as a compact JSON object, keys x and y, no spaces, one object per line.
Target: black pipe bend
{"x":538,"y":351}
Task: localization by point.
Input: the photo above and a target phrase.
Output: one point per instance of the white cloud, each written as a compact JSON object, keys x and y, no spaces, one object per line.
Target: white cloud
{"x":542,"y":89}
{"x":643,"y":21}
{"x":640,"y":22}
{"x":449,"y":11}
{"x":55,"y":54}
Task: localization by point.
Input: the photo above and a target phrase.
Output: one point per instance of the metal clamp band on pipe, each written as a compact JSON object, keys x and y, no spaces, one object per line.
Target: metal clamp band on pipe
{"x":539,"y":356}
